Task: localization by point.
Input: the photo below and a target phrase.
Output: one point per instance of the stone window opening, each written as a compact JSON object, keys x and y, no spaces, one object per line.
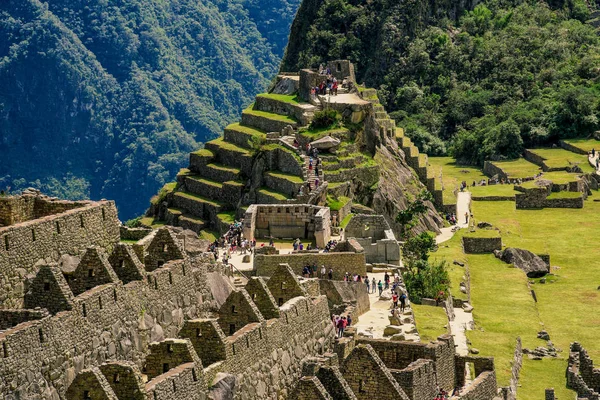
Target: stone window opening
{"x":198,"y":332}
{"x":86,"y":395}
{"x":116,"y":378}
{"x":260,"y":333}
{"x":233,"y":310}
{"x":100,"y":302}
{"x":361,"y":386}
{"x":103,"y":214}
{"x":253,"y":296}
{"x":282,"y":285}
{"x":115,"y":294}
{"x":160,"y":263}
{"x":174,"y":387}
{"x":183,"y":269}
{"x":41,"y":333}
{"x":170,"y":278}
{"x":194,"y":376}
{"x":165,"y":367}
{"x":339,"y":67}
{"x":154,"y":395}
{"x":58,"y":227}
{"x":121,"y":263}
{"x":155,"y":283}
{"x":233,"y":348}
{"x":4,"y":350}
{"x":6,"y":243}
{"x":232,"y":330}
{"x":247,"y":341}
{"x":169,"y":348}
{"x":165,"y":248}
{"x":33,"y":238}
{"x":46,"y":286}
{"x":81,"y":223}
{"x":91,"y":273}
{"x":84,"y":310}
{"x":280,"y":302}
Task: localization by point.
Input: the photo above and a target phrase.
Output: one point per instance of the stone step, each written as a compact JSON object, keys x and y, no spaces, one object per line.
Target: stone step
{"x":267,"y":195}
{"x":286,"y":105}
{"x":265,"y":121}
{"x":172,"y":216}
{"x":192,"y":223}
{"x":369,"y":93}
{"x":381,"y":115}
{"x":243,"y":136}
{"x":224,"y":219}
{"x":231,"y":154}
{"x":200,"y":158}
{"x":220,"y":172}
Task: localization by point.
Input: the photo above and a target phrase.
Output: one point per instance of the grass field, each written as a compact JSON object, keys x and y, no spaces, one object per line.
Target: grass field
{"x":520,"y":168}
{"x":431,"y":321}
{"x":560,"y":158}
{"x":584,"y":144}
{"x":452,"y":175}
{"x":493,"y":190}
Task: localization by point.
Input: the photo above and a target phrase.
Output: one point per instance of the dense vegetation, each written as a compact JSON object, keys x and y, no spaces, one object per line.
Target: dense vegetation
{"x":479,"y":84}
{"x":105,"y":98}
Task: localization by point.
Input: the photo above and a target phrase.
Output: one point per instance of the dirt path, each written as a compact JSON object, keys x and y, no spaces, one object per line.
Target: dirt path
{"x":463,"y":205}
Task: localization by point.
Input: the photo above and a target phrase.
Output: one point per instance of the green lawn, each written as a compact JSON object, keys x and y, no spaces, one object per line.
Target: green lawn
{"x":228,"y":146}
{"x":451,"y":251}
{"x":520,"y":168}
{"x":483,"y":233}
{"x":449,"y":175}
{"x":336,"y":204}
{"x":560,"y":177}
{"x":286,"y":98}
{"x":269,"y":115}
{"x":584,"y":144}
{"x":346,"y":220}
{"x":246,"y":129}
{"x":492,"y":190}
{"x":431,"y":321}
{"x":504,"y":307}
{"x":283,"y":175}
{"x":560,"y":158}
{"x":564,"y":195}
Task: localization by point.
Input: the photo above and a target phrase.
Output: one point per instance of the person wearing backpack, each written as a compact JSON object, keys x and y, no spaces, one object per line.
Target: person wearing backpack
{"x":402,"y":301}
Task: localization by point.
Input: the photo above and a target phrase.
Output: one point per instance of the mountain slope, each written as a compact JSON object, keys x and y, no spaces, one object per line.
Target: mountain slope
{"x":105,"y":98}
{"x":479,"y":79}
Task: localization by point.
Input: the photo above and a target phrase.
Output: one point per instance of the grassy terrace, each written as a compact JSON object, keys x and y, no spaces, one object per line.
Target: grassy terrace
{"x":204,"y":152}
{"x":166,"y":189}
{"x":222,"y":167}
{"x":584,"y":144}
{"x":315,"y":134}
{"x":520,"y":168}
{"x":269,"y":115}
{"x":483,"y":233}
{"x":246,"y":129}
{"x":272,"y":193}
{"x":346,"y":220}
{"x":227,"y":217}
{"x":430,"y":321}
{"x":206,"y":181}
{"x":560,"y":177}
{"x":449,"y":175}
{"x":220,"y":142}
{"x":336,"y":204}
{"x":564,"y":195}
{"x":290,"y":99}
{"x":560,"y":158}
{"x":493,"y":190}
{"x":283,"y":175}
{"x":197,"y":197}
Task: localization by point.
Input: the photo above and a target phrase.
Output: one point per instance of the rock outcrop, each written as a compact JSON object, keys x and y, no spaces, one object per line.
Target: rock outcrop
{"x":525,"y":260}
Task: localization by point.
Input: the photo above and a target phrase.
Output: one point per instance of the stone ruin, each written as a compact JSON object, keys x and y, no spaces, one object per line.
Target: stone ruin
{"x":376,"y":237}
{"x":582,"y":376}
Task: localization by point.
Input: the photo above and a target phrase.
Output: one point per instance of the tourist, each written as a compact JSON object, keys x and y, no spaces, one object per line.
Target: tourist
{"x":349,"y":320}
{"x":395,"y":299}
{"x":386,"y":279}
{"x":380,"y":287}
{"x":309,"y":247}
{"x":314,"y":270}
{"x":295,"y":246}
{"x":373,"y":285}
{"x":341,"y":324}
{"x":305,"y":271}
{"x":330,"y":274}
{"x":334,"y":87}
{"x":323,"y":271}
{"x":466,"y":217}
{"x":402,"y":301}
{"x":301,"y":246}
{"x":317,"y":170}
{"x":367,"y":283}
{"x":316,"y":183}
{"x":321,"y":69}
{"x":271,"y":242}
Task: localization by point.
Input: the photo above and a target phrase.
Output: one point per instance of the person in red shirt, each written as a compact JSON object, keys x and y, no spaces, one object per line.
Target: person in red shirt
{"x":395,"y":300}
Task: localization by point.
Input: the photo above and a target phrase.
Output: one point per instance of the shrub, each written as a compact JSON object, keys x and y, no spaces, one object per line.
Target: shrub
{"x":423,"y":279}
{"x":325,"y":119}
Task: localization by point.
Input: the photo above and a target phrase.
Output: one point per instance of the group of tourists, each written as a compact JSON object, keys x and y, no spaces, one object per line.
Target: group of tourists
{"x":330,"y":83}
{"x":330,"y":245}
{"x":341,"y":323}
{"x":310,"y":271}
{"x":299,"y":246}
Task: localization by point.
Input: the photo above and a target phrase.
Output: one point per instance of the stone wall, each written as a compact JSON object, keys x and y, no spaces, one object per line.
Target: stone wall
{"x":341,"y":294}
{"x":538,"y":198}
{"x":511,"y":393}
{"x":477,"y":245}
{"x":303,"y":221}
{"x":482,"y":387}
{"x":535,"y":159}
{"x":571,"y":148}
{"x":10,"y":318}
{"x":308,"y":79}
{"x":490,"y":170}
{"x":32,"y":205}
{"x":49,"y":237}
{"x":581,"y":374}
{"x":353,"y":263}
{"x":110,"y":322}
{"x":342,"y":69}
{"x":271,"y":105}
{"x":399,"y":355}
{"x":376,"y":237}
{"x":418,"y":380}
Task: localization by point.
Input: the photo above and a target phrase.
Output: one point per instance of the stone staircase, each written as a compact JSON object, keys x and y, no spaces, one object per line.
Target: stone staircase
{"x":416,"y":160}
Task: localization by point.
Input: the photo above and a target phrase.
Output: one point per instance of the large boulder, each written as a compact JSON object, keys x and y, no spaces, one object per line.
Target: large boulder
{"x":326,"y":143}
{"x":525,"y":260}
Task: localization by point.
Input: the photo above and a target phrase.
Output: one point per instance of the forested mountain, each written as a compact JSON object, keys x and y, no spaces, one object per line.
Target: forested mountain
{"x":478,"y":79}
{"x":105,"y":98}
